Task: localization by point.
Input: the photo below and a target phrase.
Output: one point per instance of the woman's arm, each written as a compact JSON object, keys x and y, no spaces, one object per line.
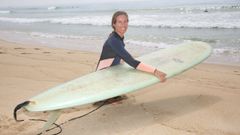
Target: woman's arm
{"x":149,"y":69}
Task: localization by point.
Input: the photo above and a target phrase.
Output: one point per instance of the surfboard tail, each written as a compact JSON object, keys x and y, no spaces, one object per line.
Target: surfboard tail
{"x":53,"y":116}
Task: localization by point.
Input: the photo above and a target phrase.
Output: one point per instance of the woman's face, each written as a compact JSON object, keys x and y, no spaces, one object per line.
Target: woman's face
{"x":121,"y":25}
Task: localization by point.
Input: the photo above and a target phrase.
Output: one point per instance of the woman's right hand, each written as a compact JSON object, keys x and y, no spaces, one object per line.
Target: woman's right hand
{"x":160,"y":75}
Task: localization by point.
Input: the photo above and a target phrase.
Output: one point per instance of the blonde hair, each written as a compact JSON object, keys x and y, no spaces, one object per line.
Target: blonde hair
{"x":115,"y":15}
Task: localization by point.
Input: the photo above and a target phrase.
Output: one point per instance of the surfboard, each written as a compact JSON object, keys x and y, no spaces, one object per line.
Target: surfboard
{"x":121,"y":79}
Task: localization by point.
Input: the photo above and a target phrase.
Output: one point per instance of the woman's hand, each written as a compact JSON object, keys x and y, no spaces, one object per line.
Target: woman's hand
{"x":160,"y":75}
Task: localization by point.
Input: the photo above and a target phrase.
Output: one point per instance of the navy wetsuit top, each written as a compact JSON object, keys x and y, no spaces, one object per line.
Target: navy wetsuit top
{"x":114,"y":47}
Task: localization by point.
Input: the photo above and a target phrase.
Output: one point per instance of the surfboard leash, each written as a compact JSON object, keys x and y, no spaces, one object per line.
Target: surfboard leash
{"x":75,"y":118}
{"x":25,"y":103}
{"x":21,"y":105}
{"x":56,"y":126}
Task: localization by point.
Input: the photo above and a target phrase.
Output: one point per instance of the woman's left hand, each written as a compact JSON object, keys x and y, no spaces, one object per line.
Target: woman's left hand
{"x":160,"y":75}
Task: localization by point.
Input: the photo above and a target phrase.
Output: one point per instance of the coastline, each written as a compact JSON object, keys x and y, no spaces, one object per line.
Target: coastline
{"x":203,"y":100}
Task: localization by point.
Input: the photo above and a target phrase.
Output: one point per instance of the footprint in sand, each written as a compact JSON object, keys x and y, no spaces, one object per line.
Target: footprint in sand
{"x":37,"y":49}
{"x":7,"y":125}
{"x":70,"y":52}
{"x":19,"y":48}
{"x":25,"y":53}
{"x":237,"y":72}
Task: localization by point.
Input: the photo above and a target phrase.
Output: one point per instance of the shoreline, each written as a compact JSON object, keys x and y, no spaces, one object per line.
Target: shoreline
{"x":203,"y":100}
{"x":228,"y":55}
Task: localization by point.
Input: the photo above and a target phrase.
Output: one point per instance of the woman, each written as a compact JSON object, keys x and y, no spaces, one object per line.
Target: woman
{"x":113,"y":49}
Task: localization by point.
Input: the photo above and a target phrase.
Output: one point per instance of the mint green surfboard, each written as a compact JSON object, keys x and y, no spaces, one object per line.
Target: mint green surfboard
{"x":117,"y":80}
{"x":120,"y":79}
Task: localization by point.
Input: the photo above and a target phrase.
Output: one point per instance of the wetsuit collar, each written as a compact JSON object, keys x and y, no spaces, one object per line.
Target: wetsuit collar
{"x":116,"y":35}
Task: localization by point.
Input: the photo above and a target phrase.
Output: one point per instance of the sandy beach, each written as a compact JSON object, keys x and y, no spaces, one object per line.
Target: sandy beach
{"x":204,"y":100}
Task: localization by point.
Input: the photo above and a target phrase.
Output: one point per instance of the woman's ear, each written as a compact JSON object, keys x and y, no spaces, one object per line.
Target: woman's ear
{"x":114,"y":26}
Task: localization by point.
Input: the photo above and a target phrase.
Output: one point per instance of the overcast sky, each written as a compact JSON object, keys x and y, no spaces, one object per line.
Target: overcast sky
{"x":34,"y":3}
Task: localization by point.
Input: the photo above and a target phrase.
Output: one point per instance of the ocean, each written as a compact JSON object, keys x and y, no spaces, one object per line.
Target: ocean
{"x":152,"y":26}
